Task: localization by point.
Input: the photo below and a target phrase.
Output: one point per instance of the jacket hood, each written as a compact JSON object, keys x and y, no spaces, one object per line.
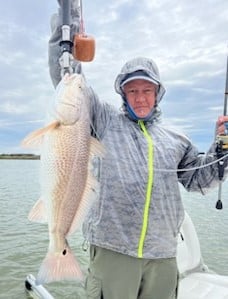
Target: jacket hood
{"x":140,"y":64}
{"x":149,"y":67}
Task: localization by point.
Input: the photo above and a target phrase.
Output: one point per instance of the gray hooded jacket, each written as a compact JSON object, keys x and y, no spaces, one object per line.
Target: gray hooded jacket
{"x":126,"y":217}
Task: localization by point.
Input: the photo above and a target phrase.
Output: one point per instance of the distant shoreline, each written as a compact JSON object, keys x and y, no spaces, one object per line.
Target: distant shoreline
{"x":19,"y":157}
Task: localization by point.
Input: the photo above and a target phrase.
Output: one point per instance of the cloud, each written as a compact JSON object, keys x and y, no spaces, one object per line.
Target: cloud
{"x":188,"y":41}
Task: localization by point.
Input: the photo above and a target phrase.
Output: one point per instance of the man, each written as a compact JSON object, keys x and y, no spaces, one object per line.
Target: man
{"x":133,"y":226}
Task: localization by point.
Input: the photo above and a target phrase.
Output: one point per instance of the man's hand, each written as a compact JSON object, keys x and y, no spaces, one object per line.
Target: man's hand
{"x":222,"y":125}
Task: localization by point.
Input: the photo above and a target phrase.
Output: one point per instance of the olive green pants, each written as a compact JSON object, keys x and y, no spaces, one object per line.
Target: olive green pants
{"x":116,"y":276}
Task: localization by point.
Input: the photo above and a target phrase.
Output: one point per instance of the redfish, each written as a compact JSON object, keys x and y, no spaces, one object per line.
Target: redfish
{"x":66,"y":177}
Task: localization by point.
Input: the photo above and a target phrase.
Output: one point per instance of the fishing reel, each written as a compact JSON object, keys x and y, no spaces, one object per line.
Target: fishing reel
{"x":222,"y":140}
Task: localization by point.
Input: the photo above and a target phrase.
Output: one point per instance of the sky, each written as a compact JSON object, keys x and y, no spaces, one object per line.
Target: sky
{"x":187,"y":39}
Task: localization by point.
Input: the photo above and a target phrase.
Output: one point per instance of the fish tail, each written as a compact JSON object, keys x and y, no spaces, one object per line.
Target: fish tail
{"x":59,"y":266}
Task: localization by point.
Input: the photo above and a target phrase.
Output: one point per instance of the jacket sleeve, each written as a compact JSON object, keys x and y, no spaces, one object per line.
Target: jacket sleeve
{"x":205,"y":174}
{"x":100,"y":114}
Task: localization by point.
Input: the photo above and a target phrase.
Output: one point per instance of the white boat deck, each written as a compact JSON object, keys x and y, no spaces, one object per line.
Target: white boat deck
{"x":197,"y":281}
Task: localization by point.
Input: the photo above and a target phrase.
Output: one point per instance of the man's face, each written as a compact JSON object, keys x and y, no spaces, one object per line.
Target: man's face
{"x":141,"y":95}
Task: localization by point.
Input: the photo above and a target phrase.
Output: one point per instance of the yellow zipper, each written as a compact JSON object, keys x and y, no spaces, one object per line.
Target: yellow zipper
{"x":148,"y":190}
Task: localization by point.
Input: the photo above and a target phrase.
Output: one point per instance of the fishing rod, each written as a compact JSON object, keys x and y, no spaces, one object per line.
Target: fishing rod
{"x":222,"y":145}
{"x":82,"y":48}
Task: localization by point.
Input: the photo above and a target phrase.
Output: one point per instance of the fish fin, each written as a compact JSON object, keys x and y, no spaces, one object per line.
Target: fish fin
{"x":97,"y":148}
{"x":35,"y":138}
{"x":38,"y":212}
{"x":59,"y":266}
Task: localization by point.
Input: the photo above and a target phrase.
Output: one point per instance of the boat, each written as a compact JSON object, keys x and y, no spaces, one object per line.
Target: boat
{"x":36,"y":291}
{"x":197,"y":281}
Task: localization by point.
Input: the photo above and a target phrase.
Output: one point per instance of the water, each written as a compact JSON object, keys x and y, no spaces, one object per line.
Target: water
{"x":23,"y":244}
